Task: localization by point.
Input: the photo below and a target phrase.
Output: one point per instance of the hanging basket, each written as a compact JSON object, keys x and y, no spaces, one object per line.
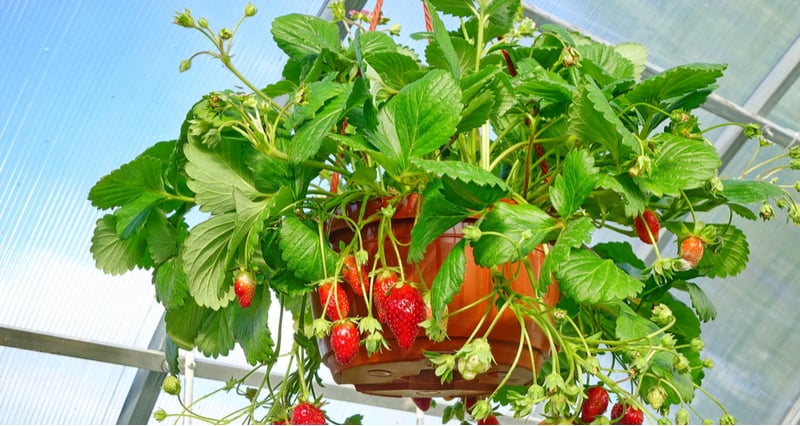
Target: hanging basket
{"x":397,"y":372}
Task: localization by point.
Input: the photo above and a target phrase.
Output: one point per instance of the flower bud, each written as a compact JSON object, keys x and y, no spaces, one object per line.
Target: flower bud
{"x":708,"y":363}
{"x":553,"y":382}
{"x":661,"y":314}
{"x":668,"y":340}
{"x":160,"y":415}
{"x":184,"y":19}
{"x":682,"y":417}
{"x":202,"y":23}
{"x":225,"y":34}
{"x":250,"y":9}
{"x":727,"y":419}
{"x":394,"y":29}
{"x":697,"y":344}
{"x":481,"y":409}
{"x":766,"y":212}
{"x":185,"y":65}
{"x":794,"y":152}
{"x":681,"y":364}
{"x":752,"y":130}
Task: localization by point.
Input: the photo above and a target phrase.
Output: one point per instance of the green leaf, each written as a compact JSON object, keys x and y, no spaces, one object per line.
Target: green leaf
{"x":575,"y":233}
{"x":184,"y":324}
{"x":251,"y":328}
{"x":170,"y":284}
{"x":453,"y":7}
{"x":436,"y":216}
{"x":445,"y":45}
{"x":676,"y":82}
{"x":395,"y":69}
{"x":112,"y":254}
{"x":305,"y":251}
{"x":573,"y":185}
{"x":162,"y":237}
{"x":303,"y":35}
{"x":215,"y":175}
{"x":681,"y":164}
{"x":465,"y":184}
{"x":420,"y":119}
{"x":326,"y":106}
{"x":588,"y":278}
{"x":371,"y":43}
{"x":687,"y":324}
{"x":620,"y":252}
{"x":449,"y":279}
{"x":631,"y":326}
{"x":511,"y":232}
{"x":592,"y":119}
{"x":501,"y":17}
{"x":633,"y":199}
{"x":216,"y":335}
{"x":750,"y":191}
{"x":171,"y":354}
{"x":133,"y":216}
{"x":637,"y":54}
{"x":129,"y":182}
{"x":727,"y":258}
{"x":701,"y":303}
{"x":205,"y":259}
{"x":604,"y":63}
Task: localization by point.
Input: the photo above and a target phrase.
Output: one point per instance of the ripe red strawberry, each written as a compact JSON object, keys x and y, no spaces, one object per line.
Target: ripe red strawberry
{"x":489,"y":420}
{"x":691,"y":250}
{"x":344,"y":341}
{"x":383,"y":283}
{"x":595,"y":404}
{"x":423,"y":403}
{"x":405,"y":309}
{"x":625,"y":414}
{"x":354,"y":275}
{"x":306,"y":413}
{"x":650,"y":221}
{"x":334,"y":298}
{"x":244,"y":285}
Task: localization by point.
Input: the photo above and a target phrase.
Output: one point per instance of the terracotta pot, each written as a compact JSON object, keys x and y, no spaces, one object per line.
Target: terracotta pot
{"x":395,"y":372}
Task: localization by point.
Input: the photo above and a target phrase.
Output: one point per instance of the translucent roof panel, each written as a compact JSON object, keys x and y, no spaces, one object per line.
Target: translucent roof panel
{"x":88,"y":85}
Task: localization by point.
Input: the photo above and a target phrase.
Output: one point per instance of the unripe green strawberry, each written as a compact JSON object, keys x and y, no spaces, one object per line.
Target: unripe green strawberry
{"x":334,"y":299}
{"x":244,"y":285}
{"x":344,"y":341}
{"x":306,"y":413}
{"x":644,"y":222}
{"x":354,"y":275}
{"x":404,"y":310}
{"x":691,"y":250}
{"x":171,"y":385}
{"x":595,"y":404}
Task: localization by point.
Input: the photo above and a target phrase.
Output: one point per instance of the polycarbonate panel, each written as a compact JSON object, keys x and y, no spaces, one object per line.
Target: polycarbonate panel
{"x":86,"y":87}
{"x":787,"y":112}
{"x":750,"y":36}
{"x":38,"y":388}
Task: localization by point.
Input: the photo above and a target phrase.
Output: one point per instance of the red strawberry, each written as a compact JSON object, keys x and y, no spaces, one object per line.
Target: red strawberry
{"x":306,"y":413}
{"x":405,"y":309}
{"x":595,"y":404}
{"x":354,"y":275}
{"x":383,"y":283}
{"x":423,"y":403}
{"x":691,"y":250}
{"x":344,"y":341}
{"x":625,"y":414}
{"x":244,"y":285}
{"x":489,"y":420}
{"x":650,"y":221}
{"x":333,"y":297}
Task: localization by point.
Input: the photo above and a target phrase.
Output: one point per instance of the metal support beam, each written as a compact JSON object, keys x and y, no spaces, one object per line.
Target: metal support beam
{"x":146,"y":386}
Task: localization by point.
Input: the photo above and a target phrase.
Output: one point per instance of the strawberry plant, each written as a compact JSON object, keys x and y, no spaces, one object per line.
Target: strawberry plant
{"x":506,"y":141}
